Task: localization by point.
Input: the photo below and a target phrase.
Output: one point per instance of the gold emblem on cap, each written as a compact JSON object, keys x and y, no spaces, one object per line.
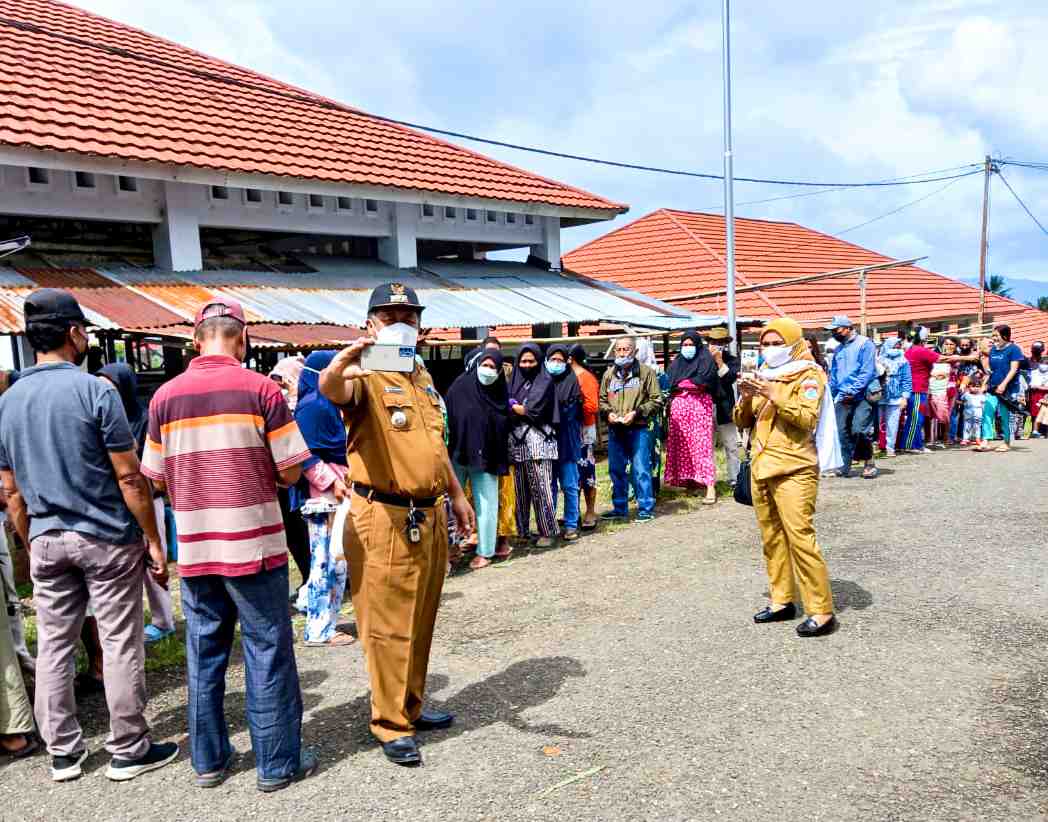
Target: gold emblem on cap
{"x":397,"y":294}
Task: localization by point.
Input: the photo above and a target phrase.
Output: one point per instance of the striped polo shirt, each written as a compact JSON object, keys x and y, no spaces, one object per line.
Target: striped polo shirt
{"x":218,"y":434}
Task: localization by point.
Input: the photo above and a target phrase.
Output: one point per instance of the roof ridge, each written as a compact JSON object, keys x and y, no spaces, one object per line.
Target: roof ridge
{"x":614,"y":231}
{"x":139,"y":46}
{"x":739,"y":275}
{"x":716,"y":214}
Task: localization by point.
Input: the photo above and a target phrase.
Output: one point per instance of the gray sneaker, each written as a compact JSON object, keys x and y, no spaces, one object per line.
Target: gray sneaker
{"x":158,"y":755}
{"x":307,"y":766}
{"x":65,"y":768}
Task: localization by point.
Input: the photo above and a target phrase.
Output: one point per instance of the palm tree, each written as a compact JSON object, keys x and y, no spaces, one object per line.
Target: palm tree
{"x":1041,"y":304}
{"x":996,"y":286}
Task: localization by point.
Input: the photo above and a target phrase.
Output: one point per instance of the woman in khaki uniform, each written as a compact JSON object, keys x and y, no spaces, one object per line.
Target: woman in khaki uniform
{"x":782,"y":405}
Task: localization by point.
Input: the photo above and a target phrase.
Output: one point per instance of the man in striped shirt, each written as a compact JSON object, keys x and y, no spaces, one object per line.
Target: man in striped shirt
{"x":220,"y":439}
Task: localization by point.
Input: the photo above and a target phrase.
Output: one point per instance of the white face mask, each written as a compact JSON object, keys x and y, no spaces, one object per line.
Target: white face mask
{"x":688,"y":352}
{"x":487,"y":375}
{"x":776,"y":355}
{"x":397,"y":334}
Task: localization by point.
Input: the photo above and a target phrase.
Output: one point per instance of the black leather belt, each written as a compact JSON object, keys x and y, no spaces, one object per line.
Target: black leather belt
{"x":371,"y":494}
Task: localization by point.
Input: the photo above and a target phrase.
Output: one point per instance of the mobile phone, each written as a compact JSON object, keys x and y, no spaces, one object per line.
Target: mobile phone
{"x":388,"y":357}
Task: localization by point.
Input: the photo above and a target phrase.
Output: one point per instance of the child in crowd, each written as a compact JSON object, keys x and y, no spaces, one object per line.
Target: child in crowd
{"x":974,"y":399}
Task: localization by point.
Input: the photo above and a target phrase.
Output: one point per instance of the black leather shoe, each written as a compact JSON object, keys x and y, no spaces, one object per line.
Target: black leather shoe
{"x":434,"y":721}
{"x":403,"y":751}
{"x":812,"y":628}
{"x":782,"y":615}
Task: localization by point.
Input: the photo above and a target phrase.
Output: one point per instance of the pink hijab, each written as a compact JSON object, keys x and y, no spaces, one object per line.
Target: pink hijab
{"x":287,"y":371}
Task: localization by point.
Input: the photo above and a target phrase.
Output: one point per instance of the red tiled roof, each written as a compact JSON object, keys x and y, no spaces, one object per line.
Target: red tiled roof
{"x":74,"y":81}
{"x":668,"y":253}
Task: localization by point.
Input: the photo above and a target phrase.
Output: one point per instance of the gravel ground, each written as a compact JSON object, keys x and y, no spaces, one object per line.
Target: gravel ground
{"x":628,"y":664}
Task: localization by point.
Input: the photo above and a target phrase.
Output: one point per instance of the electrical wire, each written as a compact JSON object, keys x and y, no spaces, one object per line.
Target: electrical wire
{"x":903,"y":207}
{"x":1019,"y":200}
{"x":320,"y":102}
{"x":976,"y":166}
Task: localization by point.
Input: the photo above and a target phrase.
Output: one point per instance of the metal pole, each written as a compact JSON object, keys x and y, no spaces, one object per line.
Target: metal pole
{"x":982,"y":246}
{"x":862,"y":302}
{"x":729,"y":183}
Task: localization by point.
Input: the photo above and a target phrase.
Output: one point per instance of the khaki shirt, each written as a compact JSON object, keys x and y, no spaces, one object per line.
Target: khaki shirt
{"x":783,"y":439}
{"x":410,"y":459}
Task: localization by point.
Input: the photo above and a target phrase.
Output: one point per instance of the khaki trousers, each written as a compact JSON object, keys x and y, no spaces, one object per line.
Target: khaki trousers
{"x":507,"y":505}
{"x":395,"y":585}
{"x":16,"y":716}
{"x":68,"y":568}
{"x":785,"y":508}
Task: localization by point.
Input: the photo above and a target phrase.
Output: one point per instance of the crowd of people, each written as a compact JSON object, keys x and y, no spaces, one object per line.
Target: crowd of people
{"x":375,"y":482}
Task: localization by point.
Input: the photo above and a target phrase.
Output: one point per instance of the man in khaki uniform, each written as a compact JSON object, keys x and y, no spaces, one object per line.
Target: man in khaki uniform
{"x":396,"y":537}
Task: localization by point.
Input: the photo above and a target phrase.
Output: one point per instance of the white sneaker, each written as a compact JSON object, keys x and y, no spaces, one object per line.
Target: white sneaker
{"x":65,"y":768}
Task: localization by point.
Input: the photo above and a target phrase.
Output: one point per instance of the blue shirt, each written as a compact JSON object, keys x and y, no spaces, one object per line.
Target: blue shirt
{"x":1001,"y":360}
{"x":57,"y":427}
{"x":853,"y":367}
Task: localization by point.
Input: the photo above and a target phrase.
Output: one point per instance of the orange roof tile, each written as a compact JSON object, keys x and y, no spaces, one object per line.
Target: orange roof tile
{"x":668,"y":253}
{"x":74,"y":81}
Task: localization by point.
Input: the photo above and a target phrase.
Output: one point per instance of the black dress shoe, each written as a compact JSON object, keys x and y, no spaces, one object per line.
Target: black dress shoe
{"x":403,"y":751}
{"x":434,"y":721}
{"x":782,"y":615}
{"x":812,"y":628}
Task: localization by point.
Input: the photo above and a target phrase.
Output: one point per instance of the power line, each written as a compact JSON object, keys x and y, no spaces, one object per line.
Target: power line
{"x":976,"y":166}
{"x":903,"y":207}
{"x":320,"y":102}
{"x":1020,"y":201}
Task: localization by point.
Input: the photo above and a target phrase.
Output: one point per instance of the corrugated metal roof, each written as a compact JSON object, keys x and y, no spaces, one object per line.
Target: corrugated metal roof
{"x":456,"y":295}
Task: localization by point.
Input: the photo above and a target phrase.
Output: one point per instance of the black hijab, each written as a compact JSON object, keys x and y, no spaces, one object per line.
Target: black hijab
{"x":121,"y":375}
{"x":479,"y":419}
{"x":700,"y":369}
{"x":566,"y":384}
{"x":535,"y":389}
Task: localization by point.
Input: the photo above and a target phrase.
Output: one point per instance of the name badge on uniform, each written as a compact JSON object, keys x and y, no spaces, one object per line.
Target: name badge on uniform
{"x":393,"y":389}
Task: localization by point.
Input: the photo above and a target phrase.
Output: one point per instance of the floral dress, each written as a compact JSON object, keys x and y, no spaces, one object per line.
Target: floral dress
{"x":689,"y":446}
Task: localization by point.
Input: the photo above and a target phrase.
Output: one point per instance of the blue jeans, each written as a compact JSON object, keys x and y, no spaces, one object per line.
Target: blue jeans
{"x":486,"y":502}
{"x":630,"y":446}
{"x":212,"y":605}
{"x":566,"y":479}
{"x":892,"y":418}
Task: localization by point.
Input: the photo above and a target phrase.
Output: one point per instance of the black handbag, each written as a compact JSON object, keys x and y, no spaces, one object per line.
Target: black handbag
{"x":743,"y":490}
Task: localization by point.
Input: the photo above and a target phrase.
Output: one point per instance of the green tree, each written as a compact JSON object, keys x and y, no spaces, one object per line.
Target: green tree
{"x":1041,"y":304}
{"x":996,"y":286}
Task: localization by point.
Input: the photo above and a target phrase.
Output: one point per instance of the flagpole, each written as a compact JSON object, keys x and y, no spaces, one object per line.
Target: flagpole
{"x":729,"y":181}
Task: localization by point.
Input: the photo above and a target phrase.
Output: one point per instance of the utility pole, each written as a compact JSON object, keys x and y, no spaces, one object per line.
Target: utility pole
{"x":988,"y":169}
{"x":729,"y":183}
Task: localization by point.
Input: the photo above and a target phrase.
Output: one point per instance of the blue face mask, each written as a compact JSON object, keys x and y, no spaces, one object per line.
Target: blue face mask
{"x":622,"y":362}
{"x":893,"y":353}
{"x":556,"y":368}
{"x":688,"y":352}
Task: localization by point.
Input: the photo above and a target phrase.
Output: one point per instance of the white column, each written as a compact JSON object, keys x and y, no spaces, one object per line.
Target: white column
{"x":176,"y":241}
{"x":23,"y":351}
{"x":400,"y":249}
{"x":549,"y":248}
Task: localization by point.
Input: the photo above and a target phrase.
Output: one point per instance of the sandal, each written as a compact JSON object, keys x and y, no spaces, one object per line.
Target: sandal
{"x":1002,"y":449}
{"x":340,"y":640}
{"x":31,"y":746}
{"x":479,"y":562}
{"x":870,"y":472}
{"x":154,"y":634}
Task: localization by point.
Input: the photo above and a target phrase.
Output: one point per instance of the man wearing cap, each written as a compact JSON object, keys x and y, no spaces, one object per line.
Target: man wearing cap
{"x":77,"y":497}
{"x":221,"y":437}
{"x":396,"y":536}
{"x":853,"y":368}
{"x":718,"y":339}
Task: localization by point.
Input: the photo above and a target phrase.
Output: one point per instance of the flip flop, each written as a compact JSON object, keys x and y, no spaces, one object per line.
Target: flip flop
{"x":1002,"y":449}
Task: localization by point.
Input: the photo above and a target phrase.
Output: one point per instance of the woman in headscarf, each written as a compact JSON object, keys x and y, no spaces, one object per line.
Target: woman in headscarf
{"x":324,"y":472}
{"x":898,"y":385}
{"x":692,"y":419}
{"x":478,"y":442}
{"x":161,"y":609}
{"x":534,"y":413}
{"x":286,"y":374}
{"x":794,"y":435}
{"x":569,"y":436}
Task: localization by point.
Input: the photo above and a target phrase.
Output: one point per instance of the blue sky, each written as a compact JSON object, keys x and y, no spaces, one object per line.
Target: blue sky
{"x":823,"y":90}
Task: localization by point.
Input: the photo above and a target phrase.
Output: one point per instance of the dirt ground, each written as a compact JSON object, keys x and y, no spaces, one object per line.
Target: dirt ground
{"x":621,"y":678}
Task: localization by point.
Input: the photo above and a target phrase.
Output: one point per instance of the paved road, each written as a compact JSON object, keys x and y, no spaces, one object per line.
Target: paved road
{"x":633,"y":653}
